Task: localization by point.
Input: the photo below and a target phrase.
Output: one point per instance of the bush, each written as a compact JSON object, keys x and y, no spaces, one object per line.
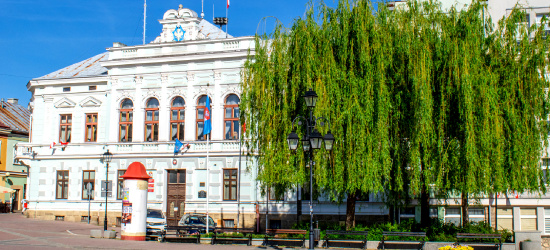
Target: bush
{"x":438,"y":231}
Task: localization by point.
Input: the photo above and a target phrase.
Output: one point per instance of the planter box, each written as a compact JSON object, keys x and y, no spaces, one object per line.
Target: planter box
{"x":109,"y":234}
{"x":530,"y":245}
{"x":95,"y":233}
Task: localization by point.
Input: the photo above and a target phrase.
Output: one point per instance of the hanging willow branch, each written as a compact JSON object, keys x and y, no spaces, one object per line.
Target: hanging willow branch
{"x":416,"y":98}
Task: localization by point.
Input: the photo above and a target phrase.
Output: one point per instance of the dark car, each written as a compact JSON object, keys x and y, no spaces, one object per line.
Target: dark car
{"x":197,"y":220}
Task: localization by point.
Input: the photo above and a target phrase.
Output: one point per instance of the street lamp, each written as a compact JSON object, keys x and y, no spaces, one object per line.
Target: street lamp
{"x":312,"y":140}
{"x":106,"y":157}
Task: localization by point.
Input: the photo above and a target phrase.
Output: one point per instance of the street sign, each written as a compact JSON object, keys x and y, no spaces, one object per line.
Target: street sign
{"x":110,"y":187}
{"x":108,"y":194}
{"x":89,"y":188}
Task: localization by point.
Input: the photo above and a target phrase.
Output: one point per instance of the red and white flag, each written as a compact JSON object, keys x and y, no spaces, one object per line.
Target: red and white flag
{"x":52,"y":145}
{"x":228,"y":4}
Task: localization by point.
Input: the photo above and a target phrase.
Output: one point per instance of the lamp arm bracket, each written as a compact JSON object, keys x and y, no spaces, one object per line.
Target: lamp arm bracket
{"x":299,"y":118}
{"x":321,"y":124}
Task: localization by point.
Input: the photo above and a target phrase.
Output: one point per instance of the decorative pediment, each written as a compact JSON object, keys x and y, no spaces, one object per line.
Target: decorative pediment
{"x":65,"y":103}
{"x":90,"y":102}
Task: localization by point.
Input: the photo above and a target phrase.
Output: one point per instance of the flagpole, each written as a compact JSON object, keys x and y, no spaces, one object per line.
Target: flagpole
{"x":207,"y":180}
{"x":227,"y":16}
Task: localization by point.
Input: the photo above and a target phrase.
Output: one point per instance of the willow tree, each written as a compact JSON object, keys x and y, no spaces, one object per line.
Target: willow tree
{"x":417,"y":100}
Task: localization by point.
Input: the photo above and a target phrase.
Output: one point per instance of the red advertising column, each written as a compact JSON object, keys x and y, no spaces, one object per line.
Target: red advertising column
{"x":134,"y":203}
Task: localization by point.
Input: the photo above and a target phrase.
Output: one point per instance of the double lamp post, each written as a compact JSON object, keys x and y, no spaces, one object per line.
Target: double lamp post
{"x":311,"y":140}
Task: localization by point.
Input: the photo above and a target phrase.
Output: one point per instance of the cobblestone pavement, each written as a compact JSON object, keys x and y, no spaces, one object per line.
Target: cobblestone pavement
{"x":19,"y":232}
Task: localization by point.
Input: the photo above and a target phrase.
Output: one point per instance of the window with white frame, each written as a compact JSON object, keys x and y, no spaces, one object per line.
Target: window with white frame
{"x":505,"y":219}
{"x":538,"y":22}
{"x":406,"y":213}
{"x":547,"y":220}
{"x":528,"y":218}
{"x":476,"y":214}
{"x":452,"y":215}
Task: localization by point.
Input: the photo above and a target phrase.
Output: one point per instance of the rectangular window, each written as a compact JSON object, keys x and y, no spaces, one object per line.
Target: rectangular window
{"x":125,"y":125}
{"x":65,"y":128}
{"x":538,"y":22}
{"x":476,"y":214}
{"x":92,"y":87}
{"x":528,"y":218}
{"x":452,"y":215}
{"x":547,"y":220}
{"x":62,"y":186}
{"x":120,"y":184}
{"x":67,"y":89}
{"x":88,"y":176}
{"x":91,"y":127}
{"x":177,"y":123}
{"x":176,"y":176}
{"x":273,"y":196}
{"x":228,"y":223}
{"x":406,"y":213}
{"x":505,"y":219}
{"x":229,"y":184}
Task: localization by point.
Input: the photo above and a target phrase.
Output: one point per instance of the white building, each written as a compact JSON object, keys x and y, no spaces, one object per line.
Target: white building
{"x":135,"y":101}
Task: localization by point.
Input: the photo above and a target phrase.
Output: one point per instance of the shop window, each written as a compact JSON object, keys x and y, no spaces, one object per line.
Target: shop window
{"x":126,"y":120}
{"x":177,"y":119}
{"x":152,"y":120}
{"x":91,"y":127}
{"x":231,"y":117}
{"x":65,"y":128}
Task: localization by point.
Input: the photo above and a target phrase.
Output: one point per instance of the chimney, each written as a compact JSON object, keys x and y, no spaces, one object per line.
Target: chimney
{"x":13,"y":100}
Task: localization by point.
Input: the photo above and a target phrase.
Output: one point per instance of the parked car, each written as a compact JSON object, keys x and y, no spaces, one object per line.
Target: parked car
{"x":198,"y":220}
{"x":156,"y":221}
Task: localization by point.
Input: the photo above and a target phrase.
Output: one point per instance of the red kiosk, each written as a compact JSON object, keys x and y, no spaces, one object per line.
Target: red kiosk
{"x":134,"y":203}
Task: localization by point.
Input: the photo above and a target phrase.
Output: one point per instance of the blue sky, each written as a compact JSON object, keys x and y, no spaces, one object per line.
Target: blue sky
{"x":38,"y":37}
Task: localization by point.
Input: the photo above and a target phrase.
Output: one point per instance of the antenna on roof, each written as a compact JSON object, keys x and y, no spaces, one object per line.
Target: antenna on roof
{"x":202,"y":9}
{"x":144,"y":18}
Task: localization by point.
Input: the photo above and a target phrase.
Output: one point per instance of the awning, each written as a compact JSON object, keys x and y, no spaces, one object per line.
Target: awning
{"x":4,"y":190}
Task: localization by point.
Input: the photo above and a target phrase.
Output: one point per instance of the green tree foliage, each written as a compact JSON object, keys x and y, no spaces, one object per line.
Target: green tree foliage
{"x":417,"y":99}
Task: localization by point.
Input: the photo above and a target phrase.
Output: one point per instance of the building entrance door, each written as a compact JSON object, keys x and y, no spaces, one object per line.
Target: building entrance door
{"x":175,"y":205}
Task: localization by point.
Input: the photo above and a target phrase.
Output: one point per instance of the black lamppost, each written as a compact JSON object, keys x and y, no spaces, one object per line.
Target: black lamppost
{"x":312,"y":140}
{"x":106,"y":157}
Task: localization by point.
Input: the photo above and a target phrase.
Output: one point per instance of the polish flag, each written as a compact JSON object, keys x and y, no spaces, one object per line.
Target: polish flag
{"x":228,"y":4}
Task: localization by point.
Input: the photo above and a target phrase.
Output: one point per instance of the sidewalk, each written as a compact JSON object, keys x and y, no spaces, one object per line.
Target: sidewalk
{"x":18,"y":232}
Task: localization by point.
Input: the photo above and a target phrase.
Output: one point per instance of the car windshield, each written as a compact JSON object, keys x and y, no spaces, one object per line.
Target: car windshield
{"x":154,"y":214}
{"x":199,"y":220}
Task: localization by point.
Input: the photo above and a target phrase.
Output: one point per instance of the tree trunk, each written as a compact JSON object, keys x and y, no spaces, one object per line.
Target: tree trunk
{"x":350,"y":210}
{"x":392,"y":214}
{"x":465,"y":214}
{"x":425,"y":207}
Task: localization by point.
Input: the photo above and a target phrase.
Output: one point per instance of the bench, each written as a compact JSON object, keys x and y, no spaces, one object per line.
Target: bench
{"x":462,"y":236}
{"x":234,"y":236}
{"x":181,"y":234}
{"x":281,"y":236}
{"x":350,"y":242}
{"x":403,"y":234}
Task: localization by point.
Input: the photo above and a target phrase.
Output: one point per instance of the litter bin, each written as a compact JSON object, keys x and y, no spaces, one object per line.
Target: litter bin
{"x":316,"y":234}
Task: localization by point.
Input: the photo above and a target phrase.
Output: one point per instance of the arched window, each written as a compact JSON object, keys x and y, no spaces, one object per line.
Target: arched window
{"x":177,"y":118}
{"x":152,"y":120}
{"x":125,"y":120}
{"x":201,"y":106}
{"x":231,"y":117}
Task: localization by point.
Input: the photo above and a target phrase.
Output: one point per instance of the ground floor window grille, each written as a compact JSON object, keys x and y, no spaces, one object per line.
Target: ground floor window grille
{"x":228,"y":223}
{"x":505,"y":219}
{"x":59,"y":218}
{"x":84,"y":219}
{"x":528,"y":218}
